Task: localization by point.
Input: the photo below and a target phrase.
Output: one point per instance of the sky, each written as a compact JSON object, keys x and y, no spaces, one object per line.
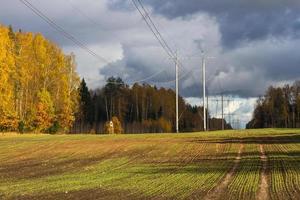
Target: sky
{"x":252,"y":43}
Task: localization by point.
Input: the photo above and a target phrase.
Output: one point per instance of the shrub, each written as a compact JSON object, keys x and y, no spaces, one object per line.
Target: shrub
{"x":165,"y":125}
{"x":8,"y":122}
{"x":116,"y":127}
{"x":21,"y":127}
{"x":54,"y":128}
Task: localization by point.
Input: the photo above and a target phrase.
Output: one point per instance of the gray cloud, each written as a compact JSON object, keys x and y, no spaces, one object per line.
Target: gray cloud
{"x":240,"y":21}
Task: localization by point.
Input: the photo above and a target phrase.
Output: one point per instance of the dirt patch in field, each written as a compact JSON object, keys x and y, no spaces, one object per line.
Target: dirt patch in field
{"x":218,"y":191}
{"x":263,"y":192}
{"x":86,"y":194}
{"x":37,"y":168}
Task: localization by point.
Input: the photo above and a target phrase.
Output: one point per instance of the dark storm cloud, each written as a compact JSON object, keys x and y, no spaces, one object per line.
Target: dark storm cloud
{"x":277,"y":60}
{"x":240,"y":21}
{"x":142,"y":64}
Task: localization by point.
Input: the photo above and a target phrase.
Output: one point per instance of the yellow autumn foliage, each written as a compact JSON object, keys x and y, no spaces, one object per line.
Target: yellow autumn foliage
{"x":31,"y":66}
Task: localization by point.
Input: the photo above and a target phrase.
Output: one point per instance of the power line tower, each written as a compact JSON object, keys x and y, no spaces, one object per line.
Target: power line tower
{"x":178,"y":63}
{"x":207,"y":115}
{"x":177,"y":91}
{"x":222,"y":103}
{"x":229,"y":113}
{"x":204,"y":91}
{"x":222,"y":100}
{"x":204,"y":58}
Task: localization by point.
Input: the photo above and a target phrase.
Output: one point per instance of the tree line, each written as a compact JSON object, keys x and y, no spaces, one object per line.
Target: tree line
{"x":141,"y":108}
{"x":278,"y":108}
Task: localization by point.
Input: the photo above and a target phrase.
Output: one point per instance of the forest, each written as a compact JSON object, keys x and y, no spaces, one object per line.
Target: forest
{"x":278,"y":108}
{"x":42,"y":92}
{"x":141,"y":108}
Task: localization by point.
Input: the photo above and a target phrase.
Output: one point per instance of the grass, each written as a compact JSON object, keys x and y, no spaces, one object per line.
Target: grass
{"x":148,"y":166}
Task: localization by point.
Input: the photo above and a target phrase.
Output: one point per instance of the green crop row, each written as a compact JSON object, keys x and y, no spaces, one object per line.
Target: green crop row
{"x":245,"y":182}
{"x":284,"y":169}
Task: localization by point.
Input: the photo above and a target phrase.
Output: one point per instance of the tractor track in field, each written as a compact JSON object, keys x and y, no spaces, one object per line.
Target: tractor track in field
{"x":219,"y":190}
{"x":263,"y":192}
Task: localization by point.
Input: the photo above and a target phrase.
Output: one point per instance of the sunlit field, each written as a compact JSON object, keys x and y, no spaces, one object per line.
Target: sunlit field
{"x":248,"y":164}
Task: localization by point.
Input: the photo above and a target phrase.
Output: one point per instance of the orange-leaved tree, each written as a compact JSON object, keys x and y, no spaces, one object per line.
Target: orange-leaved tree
{"x":44,"y":115}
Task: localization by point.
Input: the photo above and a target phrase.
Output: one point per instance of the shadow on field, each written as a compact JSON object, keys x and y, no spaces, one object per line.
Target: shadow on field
{"x":97,"y":193}
{"x":201,"y":167}
{"x":38,"y":168}
{"x":286,"y":139}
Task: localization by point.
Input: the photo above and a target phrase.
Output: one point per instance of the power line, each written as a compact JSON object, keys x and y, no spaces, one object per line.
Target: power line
{"x":158,"y":32}
{"x":180,"y":77}
{"x":154,"y":30}
{"x":93,"y":22}
{"x":63,"y":31}
{"x":75,"y":40}
{"x":186,"y":74}
{"x":160,"y":37}
{"x":140,"y":80}
{"x":90,"y":19}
